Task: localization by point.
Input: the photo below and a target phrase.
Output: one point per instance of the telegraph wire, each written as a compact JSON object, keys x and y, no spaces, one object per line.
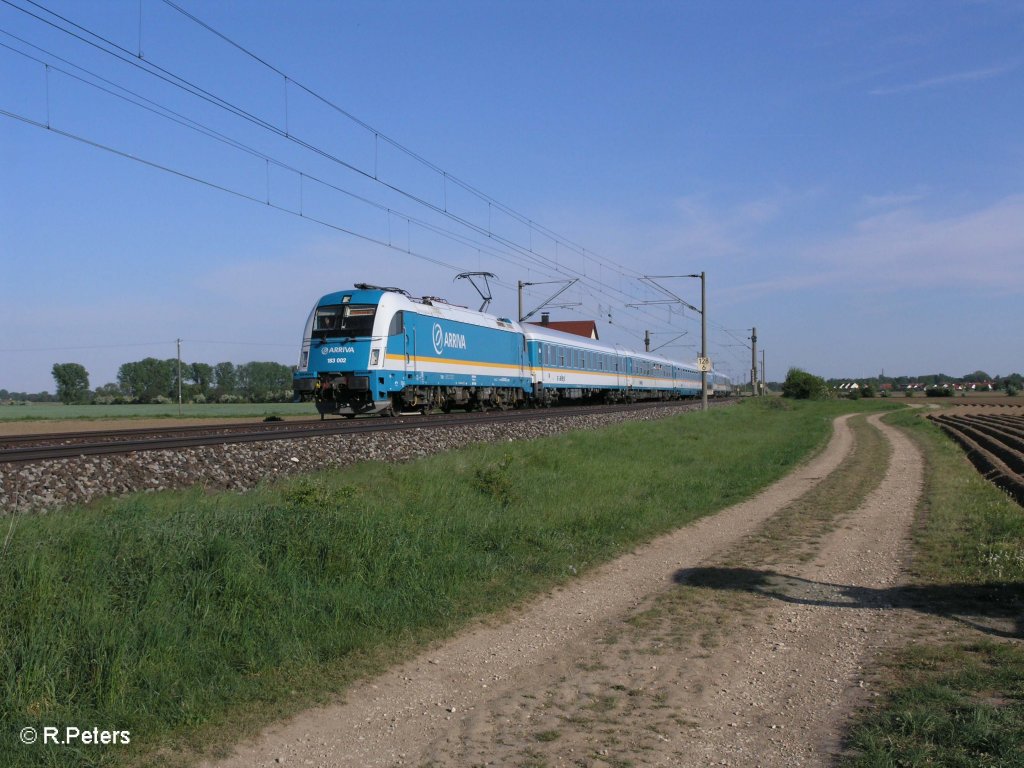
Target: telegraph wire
{"x":187,"y":122}
{"x":179,"y":82}
{"x":141,"y":102}
{"x":600,"y":286}
{"x":522,"y":218}
{"x":221,"y":187}
{"x":176,"y":81}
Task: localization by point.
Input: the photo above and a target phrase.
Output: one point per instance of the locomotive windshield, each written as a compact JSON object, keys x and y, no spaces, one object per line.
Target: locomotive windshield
{"x":343,"y":320}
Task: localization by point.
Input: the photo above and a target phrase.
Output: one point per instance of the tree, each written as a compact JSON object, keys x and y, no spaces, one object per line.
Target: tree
{"x":72,"y":382}
{"x":262,"y":382}
{"x":977,"y":377}
{"x":148,"y":379}
{"x":108,"y":394}
{"x":225,"y":380}
{"x":801,"y":385}
{"x":202,"y":378}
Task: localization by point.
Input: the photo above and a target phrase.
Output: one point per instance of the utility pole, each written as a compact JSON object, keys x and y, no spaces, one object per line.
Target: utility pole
{"x":647,"y":341}
{"x":703,"y":343}
{"x":764,"y":382}
{"x":179,"y":377}
{"x":753,"y":361}
{"x":704,"y":362}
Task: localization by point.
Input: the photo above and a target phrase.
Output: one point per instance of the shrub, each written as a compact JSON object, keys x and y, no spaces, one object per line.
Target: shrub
{"x":938,"y":392}
{"x":801,"y":385}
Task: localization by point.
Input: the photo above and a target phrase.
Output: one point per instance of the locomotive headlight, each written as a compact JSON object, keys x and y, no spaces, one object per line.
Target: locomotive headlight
{"x":374,"y":356}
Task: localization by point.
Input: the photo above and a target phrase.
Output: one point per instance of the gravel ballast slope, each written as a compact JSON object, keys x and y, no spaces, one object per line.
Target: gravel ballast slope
{"x":49,"y":484}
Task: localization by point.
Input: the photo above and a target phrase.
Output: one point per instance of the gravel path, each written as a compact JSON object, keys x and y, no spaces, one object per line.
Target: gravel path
{"x":762,"y":675}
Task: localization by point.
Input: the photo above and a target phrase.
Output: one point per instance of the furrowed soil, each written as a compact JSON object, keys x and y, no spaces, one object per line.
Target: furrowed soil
{"x":745,"y":639}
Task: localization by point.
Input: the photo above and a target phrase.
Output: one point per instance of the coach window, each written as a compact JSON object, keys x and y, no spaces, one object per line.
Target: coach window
{"x":397,"y":324}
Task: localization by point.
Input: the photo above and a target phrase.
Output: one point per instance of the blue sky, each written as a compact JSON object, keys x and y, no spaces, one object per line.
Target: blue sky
{"x":849,"y":175}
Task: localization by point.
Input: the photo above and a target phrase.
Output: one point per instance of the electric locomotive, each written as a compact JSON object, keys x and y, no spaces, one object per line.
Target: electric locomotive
{"x":379,"y":350}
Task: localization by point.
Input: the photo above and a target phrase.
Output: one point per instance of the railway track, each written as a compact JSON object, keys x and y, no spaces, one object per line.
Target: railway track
{"x":43,"y":447}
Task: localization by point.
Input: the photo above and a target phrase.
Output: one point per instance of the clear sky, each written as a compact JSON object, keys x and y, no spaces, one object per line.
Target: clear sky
{"x":850,"y":175}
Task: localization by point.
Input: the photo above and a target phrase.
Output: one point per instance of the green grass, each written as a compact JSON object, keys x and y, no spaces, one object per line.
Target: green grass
{"x":192,"y":619}
{"x":957,"y":705}
{"x":43,"y":411}
{"x":956,"y":702}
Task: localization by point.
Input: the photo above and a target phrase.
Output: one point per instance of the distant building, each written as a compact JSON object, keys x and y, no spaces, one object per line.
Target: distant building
{"x":585,"y":328}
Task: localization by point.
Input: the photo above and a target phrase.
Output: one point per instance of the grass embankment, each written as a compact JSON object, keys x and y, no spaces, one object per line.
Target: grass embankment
{"x":959,"y":701}
{"x":190,"y":619}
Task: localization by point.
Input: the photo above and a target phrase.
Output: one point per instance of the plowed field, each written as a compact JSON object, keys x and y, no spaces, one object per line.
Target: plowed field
{"x":994,"y":442}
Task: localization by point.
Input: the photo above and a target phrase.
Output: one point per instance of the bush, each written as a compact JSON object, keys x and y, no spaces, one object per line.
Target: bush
{"x":938,"y":392}
{"x":801,"y":385}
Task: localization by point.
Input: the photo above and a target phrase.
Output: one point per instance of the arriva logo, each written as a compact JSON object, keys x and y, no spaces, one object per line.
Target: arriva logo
{"x":448,"y":340}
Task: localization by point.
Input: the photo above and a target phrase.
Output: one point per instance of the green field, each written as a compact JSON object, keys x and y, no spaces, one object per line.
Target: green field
{"x":57,"y":411}
{"x":193,"y":619}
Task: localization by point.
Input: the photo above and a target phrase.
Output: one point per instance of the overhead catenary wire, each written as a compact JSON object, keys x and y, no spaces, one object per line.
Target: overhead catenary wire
{"x":171,"y":78}
{"x":590,"y":285}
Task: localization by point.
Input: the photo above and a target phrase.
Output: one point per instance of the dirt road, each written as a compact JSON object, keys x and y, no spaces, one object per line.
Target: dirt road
{"x":714,"y":645}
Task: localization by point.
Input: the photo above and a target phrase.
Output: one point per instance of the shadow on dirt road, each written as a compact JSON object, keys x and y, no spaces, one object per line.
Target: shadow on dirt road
{"x":994,"y":609}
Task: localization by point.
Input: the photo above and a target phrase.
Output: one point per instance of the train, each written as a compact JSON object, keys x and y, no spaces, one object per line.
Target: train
{"x":379,"y":350}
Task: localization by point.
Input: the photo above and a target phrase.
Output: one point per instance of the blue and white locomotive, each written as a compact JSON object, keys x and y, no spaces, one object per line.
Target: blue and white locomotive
{"x":379,"y":350}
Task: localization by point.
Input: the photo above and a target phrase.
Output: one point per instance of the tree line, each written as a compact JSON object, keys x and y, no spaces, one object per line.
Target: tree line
{"x":156,"y":381}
